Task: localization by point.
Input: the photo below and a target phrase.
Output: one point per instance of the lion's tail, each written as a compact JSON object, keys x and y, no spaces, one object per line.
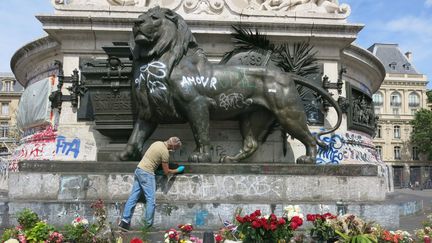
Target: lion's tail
{"x":325,"y":95}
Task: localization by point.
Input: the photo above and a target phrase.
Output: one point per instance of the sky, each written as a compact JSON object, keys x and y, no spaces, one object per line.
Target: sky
{"x":404,"y":22}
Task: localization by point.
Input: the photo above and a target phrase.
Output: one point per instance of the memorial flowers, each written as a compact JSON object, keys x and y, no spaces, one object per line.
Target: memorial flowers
{"x":258,"y":228}
{"x":321,"y":230}
{"x":425,"y":234}
{"x":397,"y":236}
{"x":351,"y":228}
{"x":184,"y":235}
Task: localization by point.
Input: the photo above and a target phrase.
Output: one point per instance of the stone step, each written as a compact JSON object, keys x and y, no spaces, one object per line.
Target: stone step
{"x":203,"y":168}
{"x":153,"y":236}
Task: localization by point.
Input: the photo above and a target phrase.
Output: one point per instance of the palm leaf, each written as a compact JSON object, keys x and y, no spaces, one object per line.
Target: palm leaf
{"x":297,"y":58}
{"x":246,"y":39}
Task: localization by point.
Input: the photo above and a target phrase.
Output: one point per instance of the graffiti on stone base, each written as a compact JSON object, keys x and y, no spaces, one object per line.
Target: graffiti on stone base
{"x":48,"y":145}
{"x":64,"y":147}
{"x":348,"y":147}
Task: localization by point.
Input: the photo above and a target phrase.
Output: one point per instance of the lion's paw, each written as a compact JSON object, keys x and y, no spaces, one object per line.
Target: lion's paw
{"x":199,"y":157}
{"x":304,"y":159}
{"x":227,"y":159}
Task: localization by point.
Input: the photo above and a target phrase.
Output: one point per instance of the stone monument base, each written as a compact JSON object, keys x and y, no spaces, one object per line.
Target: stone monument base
{"x":206,"y":195}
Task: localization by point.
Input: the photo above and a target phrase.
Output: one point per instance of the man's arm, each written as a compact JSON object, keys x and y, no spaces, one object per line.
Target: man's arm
{"x":167,"y":170}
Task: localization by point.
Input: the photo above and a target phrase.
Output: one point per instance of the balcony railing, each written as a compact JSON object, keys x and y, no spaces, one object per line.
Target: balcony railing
{"x":378,"y":103}
{"x":395,"y":103}
{"x":413,"y":104}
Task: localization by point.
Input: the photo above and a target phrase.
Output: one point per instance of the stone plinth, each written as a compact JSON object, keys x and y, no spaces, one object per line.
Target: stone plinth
{"x":204,"y":195}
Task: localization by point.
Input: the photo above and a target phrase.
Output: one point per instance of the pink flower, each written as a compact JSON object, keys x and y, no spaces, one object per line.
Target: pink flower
{"x":22,"y":238}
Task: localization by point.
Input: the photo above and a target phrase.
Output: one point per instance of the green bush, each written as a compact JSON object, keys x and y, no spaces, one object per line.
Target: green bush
{"x":8,"y":234}
{"x":80,"y":233}
{"x":40,"y":232}
{"x":27,"y":219}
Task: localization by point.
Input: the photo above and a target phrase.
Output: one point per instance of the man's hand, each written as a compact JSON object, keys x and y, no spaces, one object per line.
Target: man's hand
{"x":180,"y":169}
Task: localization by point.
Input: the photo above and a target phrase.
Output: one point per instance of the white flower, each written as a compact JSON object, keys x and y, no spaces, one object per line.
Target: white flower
{"x":12,"y":241}
{"x":290,"y":211}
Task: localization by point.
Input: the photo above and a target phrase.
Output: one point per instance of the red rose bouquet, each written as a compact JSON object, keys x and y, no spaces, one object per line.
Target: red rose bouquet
{"x":258,"y":228}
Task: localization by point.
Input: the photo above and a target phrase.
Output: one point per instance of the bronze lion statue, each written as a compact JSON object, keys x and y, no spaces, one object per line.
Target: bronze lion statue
{"x":173,"y":80}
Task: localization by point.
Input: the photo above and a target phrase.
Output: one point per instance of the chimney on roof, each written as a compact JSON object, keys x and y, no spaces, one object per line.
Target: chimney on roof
{"x":408,"y":55}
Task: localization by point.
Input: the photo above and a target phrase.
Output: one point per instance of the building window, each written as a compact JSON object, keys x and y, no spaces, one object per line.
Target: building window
{"x":413,"y":99}
{"x":397,"y":152}
{"x":395,"y":99}
{"x":5,"y":109}
{"x":377,"y":110}
{"x":395,"y":111}
{"x":4,"y":129}
{"x":378,"y":132}
{"x":393,"y":65}
{"x":7,"y":86}
{"x":377,"y":99}
{"x":379,"y":150}
{"x":3,"y":150}
{"x":407,"y":66}
{"x":396,"y":132}
{"x":415,"y":153}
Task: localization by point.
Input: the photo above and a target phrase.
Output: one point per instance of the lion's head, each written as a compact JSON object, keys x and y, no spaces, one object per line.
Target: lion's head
{"x":161,"y":34}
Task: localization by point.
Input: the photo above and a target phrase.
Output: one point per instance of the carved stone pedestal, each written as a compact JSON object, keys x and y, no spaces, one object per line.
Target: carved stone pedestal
{"x":204,"y":195}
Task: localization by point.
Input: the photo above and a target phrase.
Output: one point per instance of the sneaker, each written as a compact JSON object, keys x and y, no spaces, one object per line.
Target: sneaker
{"x":124,"y":226}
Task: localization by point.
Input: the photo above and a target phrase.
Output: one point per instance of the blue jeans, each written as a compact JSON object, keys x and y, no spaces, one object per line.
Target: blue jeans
{"x":144,"y":183}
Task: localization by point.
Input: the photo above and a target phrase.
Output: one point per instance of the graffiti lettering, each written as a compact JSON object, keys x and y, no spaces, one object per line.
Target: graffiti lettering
{"x":150,"y":73}
{"x":234,"y":100}
{"x":67,"y":147}
{"x":333,"y":154}
{"x":196,"y":81}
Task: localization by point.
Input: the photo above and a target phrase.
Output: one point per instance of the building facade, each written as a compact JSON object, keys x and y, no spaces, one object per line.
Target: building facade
{"x":402,"y":93}
{"x":10,"y":93}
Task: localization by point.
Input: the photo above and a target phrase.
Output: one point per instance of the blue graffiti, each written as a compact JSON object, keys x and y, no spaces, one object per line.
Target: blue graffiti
{"x":333,"y":153}
{"x":67,"y":147}
{"x":200,"y":217}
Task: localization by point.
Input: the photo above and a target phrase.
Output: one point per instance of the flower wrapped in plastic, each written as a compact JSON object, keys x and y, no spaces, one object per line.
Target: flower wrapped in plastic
{"x":80,"y":221}
{"x":171,"y":236}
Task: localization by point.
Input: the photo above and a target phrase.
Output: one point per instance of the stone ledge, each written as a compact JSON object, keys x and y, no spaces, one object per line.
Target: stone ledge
{"x":203,"y":168}
{"x":201,"y":215}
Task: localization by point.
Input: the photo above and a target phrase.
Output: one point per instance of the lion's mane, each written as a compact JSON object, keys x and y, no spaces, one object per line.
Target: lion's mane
{"x":174,"y":42}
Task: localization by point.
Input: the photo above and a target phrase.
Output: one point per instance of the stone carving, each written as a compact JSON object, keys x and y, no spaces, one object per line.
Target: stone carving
{"x":325,"y":6}
{"x":102,"y":2}
{"x":173,"y":80}
{"x":204,"y":6}
{"x":123,"y":2}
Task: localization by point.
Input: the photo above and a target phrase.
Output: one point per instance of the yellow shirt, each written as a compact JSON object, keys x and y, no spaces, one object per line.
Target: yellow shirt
{"x":156,"y":154}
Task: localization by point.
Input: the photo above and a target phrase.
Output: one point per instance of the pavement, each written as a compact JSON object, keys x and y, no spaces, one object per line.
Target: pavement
{"x":413,"y":220}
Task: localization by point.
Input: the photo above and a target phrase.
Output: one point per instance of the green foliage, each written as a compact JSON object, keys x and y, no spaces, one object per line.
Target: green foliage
{"x":27,"y":219}
{"x":80,"y":233}
{"x":322,"y":231}
{"x":421,"y":135}
{"x":144,"y":229}
{"x":429,"y":96}
{"x":39,"y":233}
{"x":362,"y":238}
{"x":8,"y":234}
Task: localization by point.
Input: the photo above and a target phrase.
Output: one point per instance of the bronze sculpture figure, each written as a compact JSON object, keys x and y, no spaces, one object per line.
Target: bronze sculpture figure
{"x":174,"y":80}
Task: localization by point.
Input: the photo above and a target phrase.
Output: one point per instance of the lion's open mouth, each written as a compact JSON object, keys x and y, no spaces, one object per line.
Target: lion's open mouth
{"x":142,"y":38}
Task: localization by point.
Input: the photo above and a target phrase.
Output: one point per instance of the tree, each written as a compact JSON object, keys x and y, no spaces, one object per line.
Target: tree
{"x":429,"y":95}
{"x":421,"y":135}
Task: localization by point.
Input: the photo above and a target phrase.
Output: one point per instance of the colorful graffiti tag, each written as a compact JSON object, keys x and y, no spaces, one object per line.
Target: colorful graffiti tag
{"x":351,"y":147}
